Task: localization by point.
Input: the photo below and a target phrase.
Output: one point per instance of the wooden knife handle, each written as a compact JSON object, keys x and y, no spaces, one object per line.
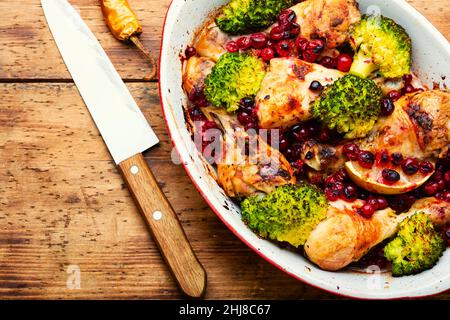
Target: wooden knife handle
{"x":164,"y":226}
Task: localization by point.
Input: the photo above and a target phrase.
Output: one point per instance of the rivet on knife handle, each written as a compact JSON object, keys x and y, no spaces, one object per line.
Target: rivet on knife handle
{"x":164,"y":225}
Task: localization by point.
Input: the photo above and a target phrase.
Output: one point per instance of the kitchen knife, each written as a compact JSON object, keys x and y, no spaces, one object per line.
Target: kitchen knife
{"x":127,"y":134}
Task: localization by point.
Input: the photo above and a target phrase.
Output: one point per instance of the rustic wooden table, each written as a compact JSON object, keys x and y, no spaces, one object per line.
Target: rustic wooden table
{"x":64,"y":207}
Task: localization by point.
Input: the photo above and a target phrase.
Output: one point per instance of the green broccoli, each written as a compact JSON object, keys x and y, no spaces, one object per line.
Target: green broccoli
{"x":417,"y":246}
{"x":381,"y":46}
{"x":351,"y":105}
{"x":245,"y":16}
{"x":234,"y":77}
{"x":287,"y":214}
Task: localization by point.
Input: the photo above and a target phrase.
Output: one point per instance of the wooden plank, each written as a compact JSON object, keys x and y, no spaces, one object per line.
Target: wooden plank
{"x":63,"y":203}
{"x":28,"y":50}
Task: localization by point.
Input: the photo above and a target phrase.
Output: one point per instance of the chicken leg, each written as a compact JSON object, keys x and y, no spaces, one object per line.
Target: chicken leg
{"x":345,"y":236}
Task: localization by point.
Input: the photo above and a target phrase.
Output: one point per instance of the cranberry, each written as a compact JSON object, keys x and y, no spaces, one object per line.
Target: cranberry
{"x":283,"y":144}
{"x":313,"y":128}
{"x":367,"y":210}
{"x":383,"y":157}
{"x":300,"y":133}
{"x":351,"y":151}
{"x":447,"y":177}
{"x":430,"y":188}
{"x":332,"y":195}
{"x":276,"y":33}
{"x":244,"y":118}
{"x":299,"y":165}
{"x":344,"y":62}
{"x":446,"y":198}
{"x":390,"y":175}
{"x":196,"y":114}
{"x":394,"y":95}
{"x":293,"y":153}
{"x":244,"y":43}
{"x":292,"y":33}
{"x":328,"y":62}
{"x":438,"y":175}
{"x":292,"y":16}
{"x":441,"y":184}
{"x":337,"y":187}
{"x":409,"y":88}
{"x":426,"y":167}
{"x":271,"y":44}
{"x":197,"y":97}
{"x":310,"y":56}
{"x":363,"y":194}
{"x":402,"y":202}
{"x":407,"y":78}
{"x":341,"y":175}
{"x":258,"y":40}
{"x":387,"y":107}
{"x":316,"y":46}
{"x":350,"y":193}
{"x":324,"y":135}
{"x":209,"y":124}
{"x":301,"y":44}
{"x":396,"y":158}
{"x":410,"y":166}
{"x":190,"y":52}
{"x":366,"y":159}
{"x":330,"y":181}
{"x":373,"y":202}
{"x":247,"y":104}
{"x":284,"y":48}
{"x":382,"y":203}
{"x":315,"y":86}
{"x":232,"y":46}
{"x":287,"y":16}
{"x":267,"y":54}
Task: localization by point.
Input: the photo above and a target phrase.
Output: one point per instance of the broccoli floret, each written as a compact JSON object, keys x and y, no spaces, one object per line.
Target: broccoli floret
{"x":351,"y":105}
{"x":381,"y":46}
{"x":234,"y":77}
{"x":245,"y":16}
{"x":417,"y":246}
{"x":287,"y":214}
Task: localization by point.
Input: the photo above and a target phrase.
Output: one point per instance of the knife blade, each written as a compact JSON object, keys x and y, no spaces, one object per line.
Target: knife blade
{"x":120,"y":121}
{"x":127,"y":134}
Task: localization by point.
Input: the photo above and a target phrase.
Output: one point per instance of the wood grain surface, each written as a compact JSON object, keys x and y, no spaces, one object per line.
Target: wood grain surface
{"x":65,"y":213}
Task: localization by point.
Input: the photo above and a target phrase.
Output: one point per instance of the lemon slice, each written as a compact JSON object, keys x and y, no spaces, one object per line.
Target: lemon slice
{"x":372,"y":179}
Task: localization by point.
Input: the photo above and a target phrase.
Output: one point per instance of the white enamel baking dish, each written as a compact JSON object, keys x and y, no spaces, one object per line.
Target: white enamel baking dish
{"x":431,"y":62}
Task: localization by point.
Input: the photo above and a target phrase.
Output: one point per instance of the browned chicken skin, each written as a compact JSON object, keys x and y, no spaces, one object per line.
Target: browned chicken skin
{"x":429,"y":112}
{"x":345,"y":236}
{"x":248,"y":165}
{"x":211,"y":42}
{"x":284,"y":98}
{"x":419,"y":126}
{"x":196,"y":71}
{"x":328,"y":19}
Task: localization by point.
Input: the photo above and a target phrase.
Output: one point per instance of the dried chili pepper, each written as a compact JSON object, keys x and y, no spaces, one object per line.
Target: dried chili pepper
{"x":121,"y":19}
{"x":124,"y":25}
